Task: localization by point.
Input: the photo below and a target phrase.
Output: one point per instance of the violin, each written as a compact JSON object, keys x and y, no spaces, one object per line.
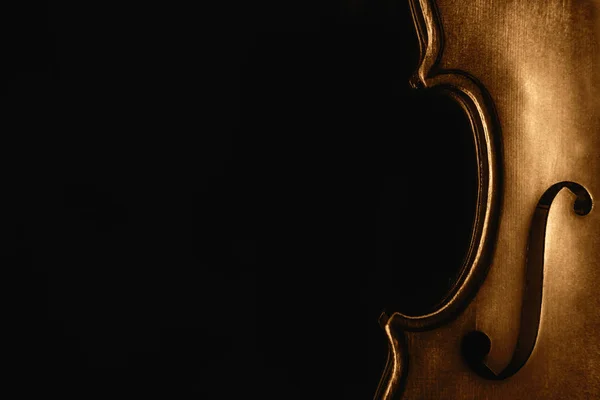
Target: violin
{"x":522,"y":318}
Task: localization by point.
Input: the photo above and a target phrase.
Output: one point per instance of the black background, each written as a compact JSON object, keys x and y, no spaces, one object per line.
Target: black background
{"x":218,"y":202}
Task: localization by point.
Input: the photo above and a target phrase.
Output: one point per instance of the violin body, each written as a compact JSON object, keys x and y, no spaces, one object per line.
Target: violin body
{"x":522,"y":320}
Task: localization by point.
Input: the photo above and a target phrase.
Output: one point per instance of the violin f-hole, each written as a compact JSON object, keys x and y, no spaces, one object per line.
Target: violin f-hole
{"x":476,"y":345}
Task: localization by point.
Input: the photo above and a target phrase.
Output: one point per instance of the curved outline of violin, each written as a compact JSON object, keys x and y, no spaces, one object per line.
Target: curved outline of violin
{"x":480,"y":109}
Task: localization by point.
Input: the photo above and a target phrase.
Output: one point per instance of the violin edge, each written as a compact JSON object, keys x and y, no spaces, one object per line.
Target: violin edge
{"x":480,"y":110}
{"x":478,"y":106}
{"x":395,"y":372}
